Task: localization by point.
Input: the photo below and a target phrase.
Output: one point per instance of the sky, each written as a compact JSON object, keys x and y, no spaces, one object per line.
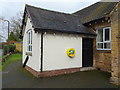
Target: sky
{"x":10,"y":8}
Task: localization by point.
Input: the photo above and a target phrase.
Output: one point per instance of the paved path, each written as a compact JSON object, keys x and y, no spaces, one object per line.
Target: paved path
{"x":14,"y":78}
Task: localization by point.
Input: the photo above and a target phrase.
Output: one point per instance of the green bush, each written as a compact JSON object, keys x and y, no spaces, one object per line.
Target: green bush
{"x":8,"y":48}
{"x":0,"y":45}
{"x":5,"y":49}
{"x":12,"y":47}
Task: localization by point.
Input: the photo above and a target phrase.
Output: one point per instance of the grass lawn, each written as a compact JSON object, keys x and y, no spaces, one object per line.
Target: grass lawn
{"x":11,"y":58}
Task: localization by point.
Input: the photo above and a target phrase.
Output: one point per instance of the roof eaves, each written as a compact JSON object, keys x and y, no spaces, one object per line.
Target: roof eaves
{"x":93,"y":20}
{"x":73,"y":32}
{"x":27,"y":11}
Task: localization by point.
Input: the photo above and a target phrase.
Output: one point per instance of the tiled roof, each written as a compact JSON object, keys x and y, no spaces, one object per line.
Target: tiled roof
{"x":95,"y":11}
{"x":43,"y":19}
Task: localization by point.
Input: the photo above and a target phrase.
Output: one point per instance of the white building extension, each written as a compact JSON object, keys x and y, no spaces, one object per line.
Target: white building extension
{"x":52,"y":44}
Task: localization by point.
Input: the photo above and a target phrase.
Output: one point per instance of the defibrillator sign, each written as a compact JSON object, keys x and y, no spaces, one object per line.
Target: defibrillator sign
{"x":71,"y":52}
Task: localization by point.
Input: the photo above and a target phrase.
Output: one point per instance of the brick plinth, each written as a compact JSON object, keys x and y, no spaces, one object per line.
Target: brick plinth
{"x":35,"y":73}
{"x":52,"y":72}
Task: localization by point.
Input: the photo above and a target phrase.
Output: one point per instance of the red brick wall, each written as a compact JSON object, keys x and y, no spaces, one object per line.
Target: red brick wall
{"x":53,"y":72}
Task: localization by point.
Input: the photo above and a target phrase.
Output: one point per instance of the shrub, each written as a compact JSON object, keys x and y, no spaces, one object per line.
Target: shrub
{"x":0,"y":45}
{"x":8,"y":48}
{"x":12,"y":47}
{"x":5,"y":49}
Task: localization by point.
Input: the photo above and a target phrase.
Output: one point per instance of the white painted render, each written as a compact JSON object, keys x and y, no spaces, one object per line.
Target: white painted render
{"x":54,"y":51}
{"x":34,"y":60}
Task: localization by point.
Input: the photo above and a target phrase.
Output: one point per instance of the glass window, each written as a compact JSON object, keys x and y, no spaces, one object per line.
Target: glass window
{"x":29,"y":39}
{"x":107,"y":36}
{"x":100,"y":45}
{"x":100,"y":35}
{"x":104,"y":38}
{"x":107,"y":45}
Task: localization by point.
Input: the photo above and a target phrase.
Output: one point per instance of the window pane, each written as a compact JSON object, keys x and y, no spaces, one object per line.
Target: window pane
{"x":29,"y":38}
{"x":107,"y":34}
{"x":100,"y":45}
{"x":107,"y":45}
{"x":100,"y":35}
{"x":29,"y":48}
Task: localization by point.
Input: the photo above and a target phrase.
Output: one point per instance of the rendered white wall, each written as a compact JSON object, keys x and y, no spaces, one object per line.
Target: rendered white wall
{"x":34,"y":60}
{"x":54,"y":52}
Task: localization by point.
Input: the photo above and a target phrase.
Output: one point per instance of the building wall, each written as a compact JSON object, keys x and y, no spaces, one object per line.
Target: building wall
{"x":115,"y":18}
{"x":34,"y":59}
{"x":54,"y":51}
{"x":101,"y":58}
{"x":110,"y":60}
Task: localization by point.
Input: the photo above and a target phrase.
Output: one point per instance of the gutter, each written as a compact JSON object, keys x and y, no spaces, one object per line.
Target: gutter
{"x":42,"y":33}
{"x":71,"y":32}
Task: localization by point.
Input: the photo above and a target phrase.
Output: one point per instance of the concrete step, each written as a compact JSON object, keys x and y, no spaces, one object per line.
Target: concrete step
{"x":87,"y":68}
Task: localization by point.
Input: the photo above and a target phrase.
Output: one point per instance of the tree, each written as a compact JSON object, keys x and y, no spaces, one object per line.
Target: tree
{"x":12,"y":37}
{"x":15,"y":24}
{"x":17,"y":36}
{"x":15,"y":27}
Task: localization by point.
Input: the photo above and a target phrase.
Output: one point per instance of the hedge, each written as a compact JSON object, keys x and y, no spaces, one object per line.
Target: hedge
{"x":10,"y":48}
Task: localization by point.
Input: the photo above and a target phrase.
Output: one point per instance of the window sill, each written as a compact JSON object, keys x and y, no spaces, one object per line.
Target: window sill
{"x":104,"y":51}
{"x":29,"y":53}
